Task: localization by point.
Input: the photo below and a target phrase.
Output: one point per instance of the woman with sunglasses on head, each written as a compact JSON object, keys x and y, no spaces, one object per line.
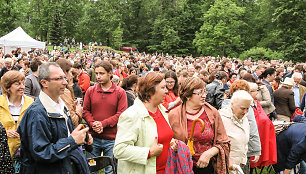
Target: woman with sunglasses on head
{"x":212,"y":146}
{"x":171,"y":99}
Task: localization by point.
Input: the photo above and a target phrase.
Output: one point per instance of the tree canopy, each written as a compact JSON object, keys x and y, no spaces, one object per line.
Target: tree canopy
{"x":233,"y":28}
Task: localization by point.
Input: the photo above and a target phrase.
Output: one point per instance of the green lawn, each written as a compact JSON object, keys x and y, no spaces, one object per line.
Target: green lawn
{"x":265,"y":171}
{"x":50,"y":48}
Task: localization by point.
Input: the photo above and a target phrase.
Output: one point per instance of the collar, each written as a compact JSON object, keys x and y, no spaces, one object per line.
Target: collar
{"x":228,"y":113}
{"x":12,"y":105}
{"x":237,"y":119}
{"x":110,"y":90}
{"x":49,"y":104}
{"x":143,"y":110}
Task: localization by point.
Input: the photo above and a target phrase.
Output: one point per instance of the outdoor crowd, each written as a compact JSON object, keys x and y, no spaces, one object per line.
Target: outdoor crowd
{"x":152,"y":113}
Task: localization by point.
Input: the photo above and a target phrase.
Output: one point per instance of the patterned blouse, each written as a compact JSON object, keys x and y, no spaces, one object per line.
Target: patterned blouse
{"x":6,"y":165}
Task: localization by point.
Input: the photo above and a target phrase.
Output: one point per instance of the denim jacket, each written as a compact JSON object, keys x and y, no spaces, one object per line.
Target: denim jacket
{"x":45,"y":144}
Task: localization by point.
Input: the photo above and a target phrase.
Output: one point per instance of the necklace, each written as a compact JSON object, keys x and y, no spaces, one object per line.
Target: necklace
{"x":194,"y":113}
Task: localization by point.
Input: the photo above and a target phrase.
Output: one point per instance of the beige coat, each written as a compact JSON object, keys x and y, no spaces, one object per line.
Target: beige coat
{"x":135,"y":135}
{"x":264,"y":98}
{"x":71,"y":105}
{"x":238,"y":131}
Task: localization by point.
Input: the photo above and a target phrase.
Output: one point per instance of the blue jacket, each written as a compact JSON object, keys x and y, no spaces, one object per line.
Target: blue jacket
{"x":45,"y":145}
{"x":291,"y":147}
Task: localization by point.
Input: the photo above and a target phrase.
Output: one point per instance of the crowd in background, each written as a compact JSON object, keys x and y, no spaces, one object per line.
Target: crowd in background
{"x":239,"y":102}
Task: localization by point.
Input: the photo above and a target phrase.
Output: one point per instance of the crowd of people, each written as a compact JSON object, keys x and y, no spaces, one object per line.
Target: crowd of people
{"x":153,"y":113}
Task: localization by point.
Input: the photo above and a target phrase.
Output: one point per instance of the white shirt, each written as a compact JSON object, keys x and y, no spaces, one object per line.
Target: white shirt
{"x":59,"y":108}
{"x":15,"y":110}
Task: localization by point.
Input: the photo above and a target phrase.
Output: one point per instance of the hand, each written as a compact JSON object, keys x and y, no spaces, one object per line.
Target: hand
{"x":204,"y":159}
{"x":231,"y":167}
{"x":156,"y":148}
{"x":79,"y":110}
{"x":90,"y":140}
{"x":12,"y":133}
{"x":287,"y":171}
{"x":178,"y":100}
{"x":173,"y":145}
{"x":79,"y":134}
{"x":97,"y":127}
{"x":256,"y":158}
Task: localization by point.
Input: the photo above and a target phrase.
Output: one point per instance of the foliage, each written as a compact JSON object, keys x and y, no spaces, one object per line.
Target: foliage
{"x":258,"y":53}
{"x":289,"y":17}
{"x":56,"y":34}
{"x":181,"y":27}
{"x":220,"y":32}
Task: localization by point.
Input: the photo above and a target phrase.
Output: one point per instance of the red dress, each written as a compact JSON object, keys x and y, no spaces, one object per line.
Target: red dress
{"x":201,"y":141}
{"x":267,"y":138}
{"x":165,"y":134}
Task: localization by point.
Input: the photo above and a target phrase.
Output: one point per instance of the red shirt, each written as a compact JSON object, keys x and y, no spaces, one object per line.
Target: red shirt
{"x":170,"y":97}
{"x":84,"y":81}
{"x":124,"y":75}
{"x":104,"y":106}
{"x":201,"y":141}
{"x":165,"y":134}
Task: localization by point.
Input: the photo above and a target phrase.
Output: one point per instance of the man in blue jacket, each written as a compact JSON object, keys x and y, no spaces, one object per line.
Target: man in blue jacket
{"x":49,"y":142}
{"x":291,"y":148}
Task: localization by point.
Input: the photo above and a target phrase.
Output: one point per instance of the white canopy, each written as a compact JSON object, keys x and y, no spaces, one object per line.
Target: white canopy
{"x":18,"y":38}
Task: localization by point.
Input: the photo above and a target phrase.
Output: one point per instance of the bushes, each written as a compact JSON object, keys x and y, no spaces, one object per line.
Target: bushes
{"x":261,"y":53}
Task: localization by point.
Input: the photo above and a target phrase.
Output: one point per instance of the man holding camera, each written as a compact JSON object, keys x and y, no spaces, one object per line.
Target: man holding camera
{"x":49,"y":142}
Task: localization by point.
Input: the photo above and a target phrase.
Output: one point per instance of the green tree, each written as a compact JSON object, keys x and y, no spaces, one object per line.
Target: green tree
{"x":7,"y":16}
{"x":289,"y":17}
{"x":220,"y":32}
{"x":56,"y":32}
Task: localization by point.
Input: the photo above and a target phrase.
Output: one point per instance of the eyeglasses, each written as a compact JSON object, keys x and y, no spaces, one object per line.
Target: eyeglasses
{"x":19,"y":84}
{"x":201,"y":93}
{"x":58,"y":79}
{"x":170,"y":82}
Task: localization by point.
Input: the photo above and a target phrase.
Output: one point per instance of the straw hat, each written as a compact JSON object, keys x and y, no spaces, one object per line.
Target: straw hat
{"x":288,"y":81}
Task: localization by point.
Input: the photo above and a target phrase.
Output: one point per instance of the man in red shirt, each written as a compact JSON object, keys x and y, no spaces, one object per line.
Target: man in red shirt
{"x":83,"y":77}
{"x":103,"y":104}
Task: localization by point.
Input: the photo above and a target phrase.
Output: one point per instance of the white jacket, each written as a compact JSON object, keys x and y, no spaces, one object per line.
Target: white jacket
{"x":238,"y":131}
{"x":135,"y":135}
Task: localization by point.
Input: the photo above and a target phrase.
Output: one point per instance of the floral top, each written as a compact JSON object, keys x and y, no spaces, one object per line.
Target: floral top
{"x":201,"y":141}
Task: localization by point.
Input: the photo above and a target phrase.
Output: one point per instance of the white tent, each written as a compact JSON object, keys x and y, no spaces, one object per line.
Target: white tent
{"x":18,"y":38}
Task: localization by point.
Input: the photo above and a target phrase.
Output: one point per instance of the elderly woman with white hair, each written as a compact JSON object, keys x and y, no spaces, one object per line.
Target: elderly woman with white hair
{"x":237,"y":128}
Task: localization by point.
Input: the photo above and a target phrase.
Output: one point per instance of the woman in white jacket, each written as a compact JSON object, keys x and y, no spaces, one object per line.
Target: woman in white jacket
{"x":144,"y":134}
{"x":237,"y":127}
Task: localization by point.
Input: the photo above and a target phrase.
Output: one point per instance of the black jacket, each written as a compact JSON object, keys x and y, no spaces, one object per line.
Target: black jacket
{"x":215,"y":95}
